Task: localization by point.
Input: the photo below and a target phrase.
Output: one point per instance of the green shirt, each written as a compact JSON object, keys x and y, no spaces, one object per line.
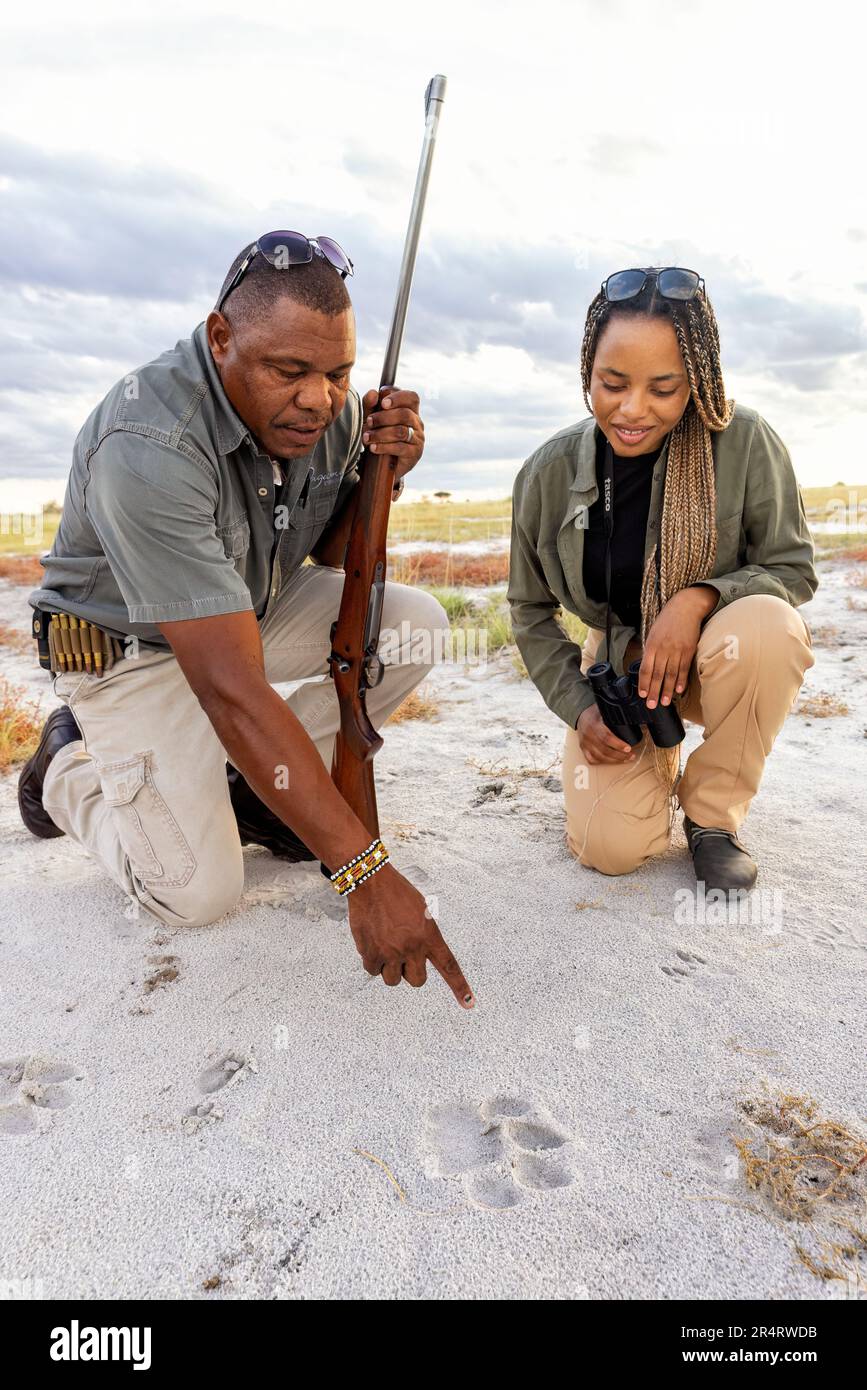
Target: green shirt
{"x":763,"y":544}
{"x":169,"y":510}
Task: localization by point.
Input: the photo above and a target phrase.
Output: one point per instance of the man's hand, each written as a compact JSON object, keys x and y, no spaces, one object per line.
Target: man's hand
{"x":671,"y":644}
{"x":396,"y":936}
{"x":598,"y":744}
{"x":392,"y":425}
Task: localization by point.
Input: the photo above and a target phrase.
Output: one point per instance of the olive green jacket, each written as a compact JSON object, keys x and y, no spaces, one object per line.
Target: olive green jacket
{"x":763,"y":544}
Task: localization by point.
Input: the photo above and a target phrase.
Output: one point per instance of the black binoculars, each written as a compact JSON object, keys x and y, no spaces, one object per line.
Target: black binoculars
{"x":624,"y":712}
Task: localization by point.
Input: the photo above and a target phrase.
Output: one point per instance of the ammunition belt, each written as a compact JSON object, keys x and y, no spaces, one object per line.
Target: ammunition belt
{"x":67,"y":643}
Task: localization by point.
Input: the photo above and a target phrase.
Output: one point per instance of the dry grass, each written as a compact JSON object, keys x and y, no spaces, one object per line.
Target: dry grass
{"x":822,"y":705}
{"x":451,"y":520}
{"x":417,"y":705}
{"x":21,"y":569}
{"x":11,"y":637}
{"x":20,"y":725}
{"x":445,"y":568}
{"x":501,"y":769}
{"x":811,"y":1171}
{"x":21,"y":534}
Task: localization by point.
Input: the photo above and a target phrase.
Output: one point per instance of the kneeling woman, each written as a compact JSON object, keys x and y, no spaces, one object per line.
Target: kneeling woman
{"x":708,"y":557}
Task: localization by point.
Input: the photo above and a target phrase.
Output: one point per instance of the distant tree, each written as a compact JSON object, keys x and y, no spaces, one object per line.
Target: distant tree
{"x":442,"y":496}
{"x":839,"y":484}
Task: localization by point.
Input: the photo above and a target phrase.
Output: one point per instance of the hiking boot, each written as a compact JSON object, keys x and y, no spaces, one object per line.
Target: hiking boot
{"x":59,"y":729}
{"x":719,"y":858}
{"x":257,"y":824}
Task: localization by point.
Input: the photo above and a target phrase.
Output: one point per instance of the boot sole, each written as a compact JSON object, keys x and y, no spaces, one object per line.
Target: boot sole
{"x":50,"y":831}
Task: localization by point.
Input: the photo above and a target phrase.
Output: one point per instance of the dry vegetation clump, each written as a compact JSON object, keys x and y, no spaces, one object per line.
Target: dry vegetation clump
{"x":21,"y":569}
{"x":11,"y":637}
{"x":444,"y":567}
{"x":811,"y":1171}
{"x":821,"y":705}
{"x":20,"y":725}
{"x":417,"y":705}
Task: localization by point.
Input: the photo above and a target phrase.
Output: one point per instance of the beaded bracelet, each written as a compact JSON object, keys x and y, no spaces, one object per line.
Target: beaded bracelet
{"x":360,"y":868}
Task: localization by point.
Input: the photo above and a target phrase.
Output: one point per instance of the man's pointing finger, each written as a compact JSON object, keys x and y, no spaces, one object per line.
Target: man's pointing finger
{"x":443,"y":961}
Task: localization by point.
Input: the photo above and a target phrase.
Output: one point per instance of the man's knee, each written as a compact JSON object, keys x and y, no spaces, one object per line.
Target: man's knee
{"x":418,"y":631}
{"x":214,"y":890}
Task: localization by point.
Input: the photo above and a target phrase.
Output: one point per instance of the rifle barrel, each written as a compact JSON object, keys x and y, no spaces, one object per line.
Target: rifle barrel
{"x":434,"y":97}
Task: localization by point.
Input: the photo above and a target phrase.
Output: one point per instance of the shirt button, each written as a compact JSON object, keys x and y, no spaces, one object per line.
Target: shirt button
{"x":263,"y":492}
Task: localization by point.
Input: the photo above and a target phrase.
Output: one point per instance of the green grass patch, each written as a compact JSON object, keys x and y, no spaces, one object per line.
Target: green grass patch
{"x":450,"y":521}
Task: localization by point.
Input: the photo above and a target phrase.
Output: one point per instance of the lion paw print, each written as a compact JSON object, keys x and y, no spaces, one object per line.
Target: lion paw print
{"x":498,"y":1149}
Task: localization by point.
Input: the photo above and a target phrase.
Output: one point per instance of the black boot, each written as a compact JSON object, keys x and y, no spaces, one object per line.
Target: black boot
{"x":60,"y":728}
{"x":719,"y":858}
{"x":257,"y":824}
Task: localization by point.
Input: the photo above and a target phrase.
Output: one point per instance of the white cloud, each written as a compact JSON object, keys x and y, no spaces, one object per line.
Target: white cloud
{"x":576,"y":138}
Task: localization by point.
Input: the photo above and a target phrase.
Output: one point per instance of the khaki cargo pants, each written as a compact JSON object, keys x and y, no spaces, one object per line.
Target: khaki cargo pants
{"x":145,"y":790}
{"x":747,"y":670}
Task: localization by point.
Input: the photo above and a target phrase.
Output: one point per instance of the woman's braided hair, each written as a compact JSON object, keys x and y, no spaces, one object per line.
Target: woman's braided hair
{"x":687,"y":533}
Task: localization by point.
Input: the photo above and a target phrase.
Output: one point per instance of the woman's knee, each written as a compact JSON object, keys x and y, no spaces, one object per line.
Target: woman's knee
{"x":760,"y":625}
{"x":616,"y":850}
{"x":757,"y":638}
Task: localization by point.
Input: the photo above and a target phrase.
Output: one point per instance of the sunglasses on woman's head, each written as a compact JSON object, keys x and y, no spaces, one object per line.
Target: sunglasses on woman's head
{"x":672,"y":283}
{"x":284,"y":249}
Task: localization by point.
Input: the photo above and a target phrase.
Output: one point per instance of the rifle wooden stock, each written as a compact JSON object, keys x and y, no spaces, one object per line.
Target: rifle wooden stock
{"x":357,"y":741}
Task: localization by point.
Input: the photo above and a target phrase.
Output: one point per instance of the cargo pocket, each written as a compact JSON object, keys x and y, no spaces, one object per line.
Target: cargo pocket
{"x":149,"y":833}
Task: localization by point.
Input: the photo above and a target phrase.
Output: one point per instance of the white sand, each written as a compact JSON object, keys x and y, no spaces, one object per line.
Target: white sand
{"x":211,"y":1127}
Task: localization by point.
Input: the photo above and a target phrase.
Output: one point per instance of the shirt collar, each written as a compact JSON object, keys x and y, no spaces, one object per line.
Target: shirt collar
{"x":231,"y":430}
{"x":584,"y":454}
{"x":585,"y":459}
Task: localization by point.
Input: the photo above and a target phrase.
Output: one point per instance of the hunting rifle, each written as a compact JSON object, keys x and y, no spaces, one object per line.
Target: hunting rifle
{"x":354,"y":661}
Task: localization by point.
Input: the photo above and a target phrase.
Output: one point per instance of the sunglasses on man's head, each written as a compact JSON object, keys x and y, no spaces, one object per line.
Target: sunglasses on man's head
{"x":284,"y":249}
{"x":672,"y":283}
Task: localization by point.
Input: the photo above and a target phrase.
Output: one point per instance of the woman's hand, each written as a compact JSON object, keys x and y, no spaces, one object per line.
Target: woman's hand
{"x":598,"y":744}
{"x":671,"y":644}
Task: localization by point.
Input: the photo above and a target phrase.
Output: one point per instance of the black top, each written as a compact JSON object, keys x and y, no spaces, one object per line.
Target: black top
{"x":633,"y":478}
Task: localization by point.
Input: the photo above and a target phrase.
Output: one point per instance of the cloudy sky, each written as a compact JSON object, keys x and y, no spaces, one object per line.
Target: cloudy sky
{"x":141,"y":146}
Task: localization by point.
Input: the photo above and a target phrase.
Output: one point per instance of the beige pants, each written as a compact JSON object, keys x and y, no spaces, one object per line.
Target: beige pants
{"x":747,"y":670}
{"x":145,"y":790}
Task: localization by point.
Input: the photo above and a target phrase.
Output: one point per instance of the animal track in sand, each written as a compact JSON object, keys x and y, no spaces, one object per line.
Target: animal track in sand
{"x":166,"y":970}
{"x":833,"y":935}
{"x":685,"y":966}
{"x":497,"y":1149}
{"x":33,"y":1083}
{"x":227,"y":1070}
